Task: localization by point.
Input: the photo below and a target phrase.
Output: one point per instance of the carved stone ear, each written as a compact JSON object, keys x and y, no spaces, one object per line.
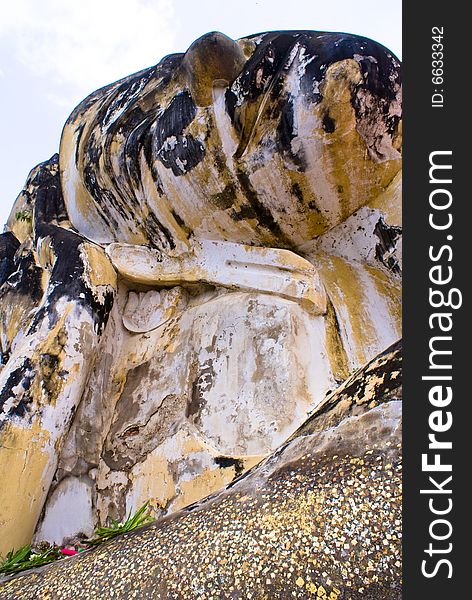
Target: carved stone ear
{"x":212,"y":57}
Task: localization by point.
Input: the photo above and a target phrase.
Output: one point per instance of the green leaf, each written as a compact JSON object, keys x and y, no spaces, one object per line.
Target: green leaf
{"x":24,"y":215}
{"x":27,"y":558}
{"x":103,"y":534}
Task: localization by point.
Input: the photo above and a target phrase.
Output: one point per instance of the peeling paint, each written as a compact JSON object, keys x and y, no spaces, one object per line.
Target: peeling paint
{"x":215,"y":249}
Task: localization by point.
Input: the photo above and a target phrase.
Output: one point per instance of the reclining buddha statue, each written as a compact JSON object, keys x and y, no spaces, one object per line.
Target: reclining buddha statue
{"x":215,"y":248}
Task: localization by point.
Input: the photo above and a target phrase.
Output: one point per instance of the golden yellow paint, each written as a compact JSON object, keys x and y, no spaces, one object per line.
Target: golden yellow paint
{"x":344,"y":157}
{"x":99,"y":270}
{"x":390,"y":290}
{"x":252,"y":461}
{"x":52,"y":345}
{"x":373,"y":385}
{"x":390,"y":201}
{"x":202,"y":485}
{"x":311,"y":587}
{"x":334,"y":345}
{"x":343,"y":286}
{"x":23,"y":460}
{"x":15,"y":316}
{"x":154,"y":481}
{"x":82,"y":201}
{"x":317,"y":222}
{"x":21,"y":229}
{"x":192,"y":444}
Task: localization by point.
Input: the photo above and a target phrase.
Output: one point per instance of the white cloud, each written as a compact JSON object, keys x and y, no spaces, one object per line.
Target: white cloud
{"x":87,"y":43}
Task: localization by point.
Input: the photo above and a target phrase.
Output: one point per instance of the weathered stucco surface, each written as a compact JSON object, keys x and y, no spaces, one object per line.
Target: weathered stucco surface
{"x":215,"y":249}
{"x":319,"y":518}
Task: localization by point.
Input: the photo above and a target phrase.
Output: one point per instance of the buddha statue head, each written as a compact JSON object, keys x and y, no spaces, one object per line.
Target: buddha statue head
{"x":269,"y":140}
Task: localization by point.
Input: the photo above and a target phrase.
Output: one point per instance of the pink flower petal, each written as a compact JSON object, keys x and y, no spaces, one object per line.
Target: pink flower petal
{"x":68,"y":551}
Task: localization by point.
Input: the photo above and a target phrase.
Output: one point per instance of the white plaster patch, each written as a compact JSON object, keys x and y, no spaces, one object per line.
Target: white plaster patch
{"x":68,"y":512}
{"x":354,"y":239}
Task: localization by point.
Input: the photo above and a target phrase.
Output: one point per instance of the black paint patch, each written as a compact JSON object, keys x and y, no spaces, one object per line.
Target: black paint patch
{"x":22,"y":408}
{"x":67,"y":276}
{"x":22,"y":376}
{"x":381,"y":73}
{"x":380,"y":80}
{"x":296,"y":191}
{"x":226,"y":198}
{"x":231,"y":100}
{"x":50,"y":207}
{"x":384,"y":371}
{"x":67,"y":281}
{"x":123,"y":97}
{"x":118,"y":96}
{"x":266,"y":70}
{"x":135,"y":129}
{"x":183,"y":156}
{"x":387,"y":235}
{"x":146,"y":143}
{"x":8,"y":247}
{"x":266,"y":62}
{"x":329,"y":48}
{"x":177,"y":151}
{"x":328,"y":123}
{"x":26,"y":278}
{"x":263,"y":78}
{"x":263,"y":214}
{"x":181,"y":223}
{"x":136,"y":126}
{"x":103,"y":198}
{"x":226,"y":462}
{"x":286,"y":132}
{"x":160,"y":236}
{"x":243,"y":213}
{"x":127,"y":111}
{"x":176,"y":117}
{"x":312,"y":204}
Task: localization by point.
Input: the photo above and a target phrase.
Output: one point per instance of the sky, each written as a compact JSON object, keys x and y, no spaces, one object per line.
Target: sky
{"x":53,"y":53}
